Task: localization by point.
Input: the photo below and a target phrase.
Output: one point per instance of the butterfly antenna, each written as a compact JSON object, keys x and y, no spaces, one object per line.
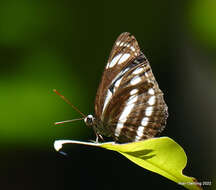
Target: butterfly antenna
{"x":68,"y":121}
{"x":68,"y":102}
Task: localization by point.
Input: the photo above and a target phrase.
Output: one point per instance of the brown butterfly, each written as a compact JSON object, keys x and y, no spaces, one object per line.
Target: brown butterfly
{"x":129,"y":105}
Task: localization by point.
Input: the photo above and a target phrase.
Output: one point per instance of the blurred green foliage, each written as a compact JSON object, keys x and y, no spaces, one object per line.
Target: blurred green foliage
{"x":202,"y":17}
{"x":32,"y":64}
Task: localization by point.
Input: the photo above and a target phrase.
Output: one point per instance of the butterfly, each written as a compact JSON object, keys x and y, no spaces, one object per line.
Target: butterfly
{"x":129,"y":106}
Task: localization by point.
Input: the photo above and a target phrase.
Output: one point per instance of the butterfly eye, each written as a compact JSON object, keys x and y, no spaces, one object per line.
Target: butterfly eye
{"x":89,"y":120}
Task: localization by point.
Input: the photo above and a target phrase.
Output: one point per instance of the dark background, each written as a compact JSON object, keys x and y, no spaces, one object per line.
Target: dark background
{"x":65,"y":45}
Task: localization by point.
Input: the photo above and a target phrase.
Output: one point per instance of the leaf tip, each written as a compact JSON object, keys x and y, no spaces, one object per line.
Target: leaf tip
{"x":58,"y":145}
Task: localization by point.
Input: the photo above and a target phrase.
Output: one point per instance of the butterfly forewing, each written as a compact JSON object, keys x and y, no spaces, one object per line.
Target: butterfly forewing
{"x":124,"y":50}
{"x":129,"y":103}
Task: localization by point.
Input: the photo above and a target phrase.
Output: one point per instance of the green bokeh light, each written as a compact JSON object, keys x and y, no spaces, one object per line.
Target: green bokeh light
{"x":202,"y":17}
{"x":29,"y":105}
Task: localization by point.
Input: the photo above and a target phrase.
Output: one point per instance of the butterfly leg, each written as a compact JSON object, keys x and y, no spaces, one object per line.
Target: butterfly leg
{"x":98,"y":136}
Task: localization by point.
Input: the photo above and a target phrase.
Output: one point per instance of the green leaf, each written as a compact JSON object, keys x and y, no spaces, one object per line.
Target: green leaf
{"x":160,"y":155}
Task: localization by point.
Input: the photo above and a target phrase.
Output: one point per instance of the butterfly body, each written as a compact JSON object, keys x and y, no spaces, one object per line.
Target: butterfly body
{"x":99,"y":127}
{"x":129,"y":105}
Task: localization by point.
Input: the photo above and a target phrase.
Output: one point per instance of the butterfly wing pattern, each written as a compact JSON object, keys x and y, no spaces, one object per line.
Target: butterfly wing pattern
{"x":120,"y":56}
{"x":129,"y":105}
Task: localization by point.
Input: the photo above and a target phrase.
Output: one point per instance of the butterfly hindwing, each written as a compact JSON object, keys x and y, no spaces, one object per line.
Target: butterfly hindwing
{"x":137,"y":109}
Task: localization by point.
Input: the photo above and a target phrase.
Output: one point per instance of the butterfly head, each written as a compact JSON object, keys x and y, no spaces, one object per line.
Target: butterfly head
{"x":89,"y":120}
